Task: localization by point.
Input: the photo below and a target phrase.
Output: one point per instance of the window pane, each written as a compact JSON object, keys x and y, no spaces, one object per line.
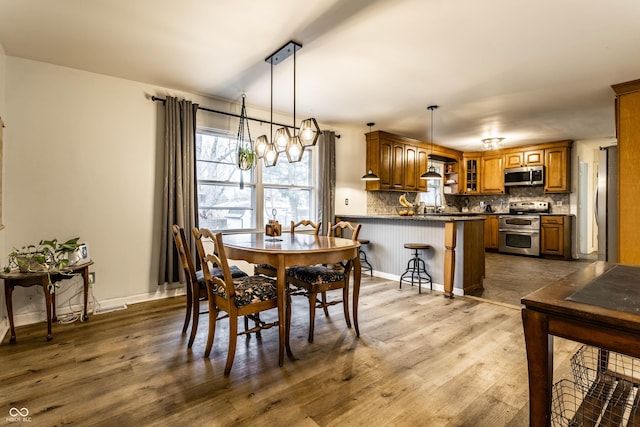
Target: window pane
{"x":226,"y":206}
{"x":290,"y":204}
{"x":285,"y":173}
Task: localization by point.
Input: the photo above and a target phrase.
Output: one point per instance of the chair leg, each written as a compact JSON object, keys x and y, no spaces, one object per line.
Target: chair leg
{"x":312,"y":314}
{"x":213,"y":315}
{"x":323,"y":298}
{"x":287,"y":344}
{"x":194,"y":324}
{"x":187,"y":317}
{"x":233,"y":336}
{"x":345,"y":305}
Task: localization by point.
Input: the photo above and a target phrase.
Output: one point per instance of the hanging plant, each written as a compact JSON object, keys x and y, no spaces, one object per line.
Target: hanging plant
{"x":246,"y":151}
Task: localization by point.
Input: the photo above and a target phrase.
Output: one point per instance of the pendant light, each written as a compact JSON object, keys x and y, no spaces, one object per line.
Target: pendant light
{"x":370,"y":176}
{"x":431,"y":171}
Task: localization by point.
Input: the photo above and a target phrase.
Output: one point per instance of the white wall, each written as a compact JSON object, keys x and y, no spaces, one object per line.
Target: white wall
{"x":83,"y":156}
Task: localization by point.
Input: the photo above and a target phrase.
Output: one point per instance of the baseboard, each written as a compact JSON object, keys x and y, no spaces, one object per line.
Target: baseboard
{"x":63,"y":308}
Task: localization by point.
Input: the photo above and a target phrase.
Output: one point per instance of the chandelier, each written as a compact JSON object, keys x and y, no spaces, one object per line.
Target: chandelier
{"x":492,"y":143}
{"x":283,"y":140}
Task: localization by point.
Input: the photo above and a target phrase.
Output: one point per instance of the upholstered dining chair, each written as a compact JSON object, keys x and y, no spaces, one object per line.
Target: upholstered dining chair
{"x":243,"y":296}
{"x":318,"y":279}
{"x":304,"y":225}
{"x":195,"y":288}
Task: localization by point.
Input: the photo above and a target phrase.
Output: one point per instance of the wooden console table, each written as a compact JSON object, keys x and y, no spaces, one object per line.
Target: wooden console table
{"x":598,"y":306}
{"x":16,"y":278}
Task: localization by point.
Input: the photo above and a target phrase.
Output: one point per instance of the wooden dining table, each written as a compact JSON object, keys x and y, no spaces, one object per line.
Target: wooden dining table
{"x":292,"y":249}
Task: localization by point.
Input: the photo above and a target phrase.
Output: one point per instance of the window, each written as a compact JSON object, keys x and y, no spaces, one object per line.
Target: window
{"x":223,"y":205}
{"x":435,"y":189}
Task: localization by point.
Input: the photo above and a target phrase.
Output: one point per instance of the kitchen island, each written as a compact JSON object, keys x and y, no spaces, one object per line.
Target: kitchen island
{"x":456,"y":267}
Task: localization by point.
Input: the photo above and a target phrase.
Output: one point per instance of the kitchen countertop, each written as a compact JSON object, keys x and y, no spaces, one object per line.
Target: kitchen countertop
{"x":453,"y":216}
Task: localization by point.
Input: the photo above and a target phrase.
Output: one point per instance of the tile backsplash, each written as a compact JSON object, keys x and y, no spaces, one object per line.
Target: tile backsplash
{"x":386,"y":202}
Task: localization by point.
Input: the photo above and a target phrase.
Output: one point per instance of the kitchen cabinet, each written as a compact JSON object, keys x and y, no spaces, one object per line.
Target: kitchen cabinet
{"x":471,"y":172}
{"x":399,"y":162}
{"x":491,"y":232}
{"x":628,"y":133}
{"x":518,"y":159}
{"x":555,"y":235}
{"x":557,"y":168}
{"x":451,"y":179}
{"x":492,"y":174}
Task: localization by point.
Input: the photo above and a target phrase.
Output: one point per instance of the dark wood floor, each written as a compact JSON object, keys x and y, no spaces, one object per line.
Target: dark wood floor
{"x":510,"y":277}
{"x":421,"y":360}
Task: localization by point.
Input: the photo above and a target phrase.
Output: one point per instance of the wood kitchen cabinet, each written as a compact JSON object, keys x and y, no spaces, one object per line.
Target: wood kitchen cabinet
{"x":628,"y":133}
{"x":518,"y":159}
{"x":491,"y":232}
{"x":492,"y":174}
{"x":555,"y":235}
{"x":557,"y":168}
{"x":471,"y":173}
{"x":399,"y":161}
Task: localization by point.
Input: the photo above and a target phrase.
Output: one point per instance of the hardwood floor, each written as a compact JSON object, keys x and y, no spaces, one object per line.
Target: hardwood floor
{"x":421,"y":360}
{"x":510,"y":277}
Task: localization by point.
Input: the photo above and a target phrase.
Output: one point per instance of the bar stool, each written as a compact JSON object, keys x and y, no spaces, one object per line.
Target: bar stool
{"x":416,"y":267}
{"x":364,"y":262}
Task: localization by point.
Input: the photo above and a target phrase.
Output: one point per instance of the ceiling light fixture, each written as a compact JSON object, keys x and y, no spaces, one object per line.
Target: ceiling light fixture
{"x":283,"y":140}
{"x":492,"y":143}
{"x":431,"y":171}
{"x":370,"y":176}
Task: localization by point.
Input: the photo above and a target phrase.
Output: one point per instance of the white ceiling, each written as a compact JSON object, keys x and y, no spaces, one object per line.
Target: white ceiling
{"x":528,"y":71}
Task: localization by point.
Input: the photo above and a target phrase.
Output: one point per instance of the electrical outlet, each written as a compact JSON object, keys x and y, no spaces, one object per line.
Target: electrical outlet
{"x":346,"y":201}
{"x":559,"y":203}
{"x":92,"y":277}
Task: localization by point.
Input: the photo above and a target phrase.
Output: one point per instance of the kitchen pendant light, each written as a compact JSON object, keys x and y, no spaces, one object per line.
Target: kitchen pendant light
{"x":431,"y":171}
{"x":370,"y":176}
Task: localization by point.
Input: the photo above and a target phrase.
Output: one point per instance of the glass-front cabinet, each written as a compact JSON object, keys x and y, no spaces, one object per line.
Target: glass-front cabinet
{"x":471,"y":174}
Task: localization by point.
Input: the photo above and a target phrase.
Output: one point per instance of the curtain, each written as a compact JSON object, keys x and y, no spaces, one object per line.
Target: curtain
{"x":327,"y":167}
{"x":179,"y":190}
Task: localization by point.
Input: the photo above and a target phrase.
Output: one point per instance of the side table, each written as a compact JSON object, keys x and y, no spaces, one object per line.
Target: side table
{"x":16,"y":278}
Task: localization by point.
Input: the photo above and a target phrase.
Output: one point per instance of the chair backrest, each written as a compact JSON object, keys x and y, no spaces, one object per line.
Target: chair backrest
{"x":306,"y":223}
{"x":342,"y":225}
{"x":185,"y":254}
{"x":217,"y":258}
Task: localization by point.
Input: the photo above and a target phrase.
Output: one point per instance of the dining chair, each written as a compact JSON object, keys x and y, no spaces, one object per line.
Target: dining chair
{"x":196,"y":289}
{"x":242,"y":296}
{"x":305,"y":224}
{"x":318,"y":279}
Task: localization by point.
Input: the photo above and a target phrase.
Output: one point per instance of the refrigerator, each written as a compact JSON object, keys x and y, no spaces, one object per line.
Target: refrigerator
{"x":606,"y":204}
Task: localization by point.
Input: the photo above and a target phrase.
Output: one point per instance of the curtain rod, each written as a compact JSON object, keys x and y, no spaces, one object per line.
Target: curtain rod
{"x":224,"y":113}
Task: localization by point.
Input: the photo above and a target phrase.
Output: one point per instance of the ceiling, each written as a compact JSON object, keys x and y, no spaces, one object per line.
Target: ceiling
{"x":528,"y":71}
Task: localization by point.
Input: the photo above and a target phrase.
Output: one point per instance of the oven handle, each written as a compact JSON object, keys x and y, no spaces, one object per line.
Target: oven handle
{"x":518,"y":231}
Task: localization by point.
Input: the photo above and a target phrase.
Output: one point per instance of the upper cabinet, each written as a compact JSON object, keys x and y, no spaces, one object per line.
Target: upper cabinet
{"x":518,"y":159}
{"x":492,"y":174}
{"x":400,"y":161}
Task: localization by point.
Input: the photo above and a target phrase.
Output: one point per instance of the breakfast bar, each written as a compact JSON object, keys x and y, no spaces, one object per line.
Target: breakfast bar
{"x":388,"y":233}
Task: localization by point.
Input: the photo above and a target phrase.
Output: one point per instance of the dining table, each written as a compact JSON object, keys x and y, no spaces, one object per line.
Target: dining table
{"x":291,"y":249}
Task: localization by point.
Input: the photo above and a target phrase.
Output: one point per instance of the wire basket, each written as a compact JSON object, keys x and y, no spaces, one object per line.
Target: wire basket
{"x":604,"y":391}
{"x":588,"y":364}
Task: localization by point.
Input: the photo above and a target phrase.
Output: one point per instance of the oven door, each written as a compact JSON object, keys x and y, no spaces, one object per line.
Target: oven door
{"x":519,"y":241}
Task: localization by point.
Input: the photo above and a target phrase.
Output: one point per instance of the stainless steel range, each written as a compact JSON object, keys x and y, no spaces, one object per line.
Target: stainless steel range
{"x":519,"y":232}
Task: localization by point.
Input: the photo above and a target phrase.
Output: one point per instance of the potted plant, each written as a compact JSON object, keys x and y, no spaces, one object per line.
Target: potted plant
{"x":246,"y":158}
{"x":47,"y":255}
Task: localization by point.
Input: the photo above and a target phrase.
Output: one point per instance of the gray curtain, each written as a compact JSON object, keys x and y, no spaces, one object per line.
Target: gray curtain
{"x":179,"y":191}
{"x":327,"y":165}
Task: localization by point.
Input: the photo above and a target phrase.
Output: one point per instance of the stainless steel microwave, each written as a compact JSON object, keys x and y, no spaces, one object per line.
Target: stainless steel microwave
{"x":528,"y":175}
